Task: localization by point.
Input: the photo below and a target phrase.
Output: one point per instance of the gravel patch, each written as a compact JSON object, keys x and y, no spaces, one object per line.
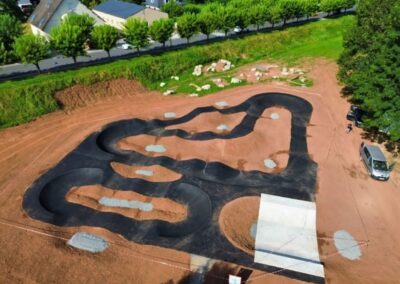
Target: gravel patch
{"x":346,"y":245}
{"x":155,"y":148}
{"x":88,"y":242}
{"x":123,"y":203}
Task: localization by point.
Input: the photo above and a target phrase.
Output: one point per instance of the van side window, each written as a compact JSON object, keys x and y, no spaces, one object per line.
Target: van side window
{"x":367,"y":153}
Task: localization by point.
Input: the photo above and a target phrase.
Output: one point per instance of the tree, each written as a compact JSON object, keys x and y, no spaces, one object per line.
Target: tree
{"x":191,"y":9}
{"x":91,"y":3}
{"x":288,"y":9}
{"x":310,"y":7}
{"x":30,"y":49}
{"x":105,"y":37}
{"x":226,"y":19}
{"x":258,"y":15}
{"x":173,"y":9}
{"x":6,"y":56}
{"x":331,"y":6}
{"x":207,"y":22}
{"x":9,"y":7}
{"x":187,"y":26}
{"x":161,"y":30}
{"x":370,"y":64}
{"x":136,"y":32}
{"x":299,"y":9}
{"x":242,"y":18}
{"x":69,"y":40}
{"x":10,"y":29}
{"x":85,"y":22}
{"x":274,"y":14}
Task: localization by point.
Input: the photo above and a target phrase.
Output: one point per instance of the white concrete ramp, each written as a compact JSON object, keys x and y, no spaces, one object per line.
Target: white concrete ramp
{"x":286,"y":235}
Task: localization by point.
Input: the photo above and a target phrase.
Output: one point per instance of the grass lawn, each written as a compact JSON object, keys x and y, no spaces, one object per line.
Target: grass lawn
{"x":23,"y":100}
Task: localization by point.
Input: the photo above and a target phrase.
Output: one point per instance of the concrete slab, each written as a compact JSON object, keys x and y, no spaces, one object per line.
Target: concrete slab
{"x":268,"y":163}
{"x":155,"y":148}
{"x":346,"y":245}
{"x":222,"y":104}
{"x":274,"y":116}
{"x":123,"y":203}
{"x":169,"y":115}
{"x":147,"y":173}
{"x":88,"y":242}
{"x":222,"y":127}
{"x":286,"y":235}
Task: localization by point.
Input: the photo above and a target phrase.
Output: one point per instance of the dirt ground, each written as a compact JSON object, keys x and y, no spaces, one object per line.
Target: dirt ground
{"x":272,"y":144}
{"x":347,"y":199}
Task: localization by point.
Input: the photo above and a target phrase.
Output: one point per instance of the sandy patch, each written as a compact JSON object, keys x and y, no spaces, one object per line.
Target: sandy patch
{"x":270,"y":137}
{"x":237,"y":219}
{"x":163,"y":208}
{"x":160,"y":174}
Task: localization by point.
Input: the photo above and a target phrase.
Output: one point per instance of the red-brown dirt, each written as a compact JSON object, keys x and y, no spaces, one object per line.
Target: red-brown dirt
{"x":346,"y":198}
{"x":82,"y":95}
{"x":237,"y":153}
{"x":160,"y":174}
{"x":163,"y":208}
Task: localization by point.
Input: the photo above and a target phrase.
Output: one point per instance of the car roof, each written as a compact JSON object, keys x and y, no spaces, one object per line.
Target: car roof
{"x":375,"y":152}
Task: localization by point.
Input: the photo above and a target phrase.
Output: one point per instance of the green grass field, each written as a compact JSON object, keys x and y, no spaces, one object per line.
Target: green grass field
{"x":24,"y":100}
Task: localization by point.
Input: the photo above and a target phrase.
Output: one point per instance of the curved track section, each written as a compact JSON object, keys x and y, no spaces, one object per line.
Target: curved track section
{"x":204,"y":187}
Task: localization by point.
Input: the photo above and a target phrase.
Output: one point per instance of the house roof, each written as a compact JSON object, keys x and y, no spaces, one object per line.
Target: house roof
{"x":118,"y":8}
{"x":43,"y":12}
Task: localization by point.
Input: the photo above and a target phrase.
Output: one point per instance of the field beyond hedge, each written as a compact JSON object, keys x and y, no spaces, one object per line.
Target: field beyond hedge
{"x":24,"y":100}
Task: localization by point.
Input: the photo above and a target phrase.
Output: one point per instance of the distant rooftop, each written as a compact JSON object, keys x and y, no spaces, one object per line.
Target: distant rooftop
{"x":119,"y":9}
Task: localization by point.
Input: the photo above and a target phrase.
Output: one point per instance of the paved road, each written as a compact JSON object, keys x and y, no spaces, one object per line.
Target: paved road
{"x":60,"y":61}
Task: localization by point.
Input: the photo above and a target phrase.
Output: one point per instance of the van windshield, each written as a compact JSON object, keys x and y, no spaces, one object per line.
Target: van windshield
{"x":380,"y":166}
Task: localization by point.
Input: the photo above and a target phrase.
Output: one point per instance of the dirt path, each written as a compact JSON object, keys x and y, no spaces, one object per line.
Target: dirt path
{"x":346,"y":199}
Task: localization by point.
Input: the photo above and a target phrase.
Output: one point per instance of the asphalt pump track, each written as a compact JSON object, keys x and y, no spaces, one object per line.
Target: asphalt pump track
{"x":205,"y":187}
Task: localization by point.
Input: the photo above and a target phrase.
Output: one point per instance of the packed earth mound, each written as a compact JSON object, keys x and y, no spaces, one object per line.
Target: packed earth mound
{"x":238,"y":222}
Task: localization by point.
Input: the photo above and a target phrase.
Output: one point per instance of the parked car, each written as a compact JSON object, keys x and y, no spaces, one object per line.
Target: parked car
{"x":374,"y":161}
{"x":355,"y":114}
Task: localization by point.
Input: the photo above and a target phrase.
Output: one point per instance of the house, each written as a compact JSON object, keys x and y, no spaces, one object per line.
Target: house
{"x":115,"y":13}
{"x":49,"y":14}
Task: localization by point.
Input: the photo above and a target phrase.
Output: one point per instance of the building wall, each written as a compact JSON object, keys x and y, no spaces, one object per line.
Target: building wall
{"x":111,"y":20}
{"x":68,"y":6}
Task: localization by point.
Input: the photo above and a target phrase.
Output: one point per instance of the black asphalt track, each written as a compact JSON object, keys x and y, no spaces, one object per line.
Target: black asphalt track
{"x":204,"y":187}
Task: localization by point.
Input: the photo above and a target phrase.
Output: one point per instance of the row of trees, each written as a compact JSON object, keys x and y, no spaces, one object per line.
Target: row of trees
{"x":281,"y":9}
{"x":370,"y":65}
{"x":76,"y":32}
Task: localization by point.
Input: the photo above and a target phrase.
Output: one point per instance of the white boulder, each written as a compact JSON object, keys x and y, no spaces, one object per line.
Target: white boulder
{"x":235,"y":80}
{"x":198,"y":70}
{"x":206,"y":87}
{"x":169,"y":92}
